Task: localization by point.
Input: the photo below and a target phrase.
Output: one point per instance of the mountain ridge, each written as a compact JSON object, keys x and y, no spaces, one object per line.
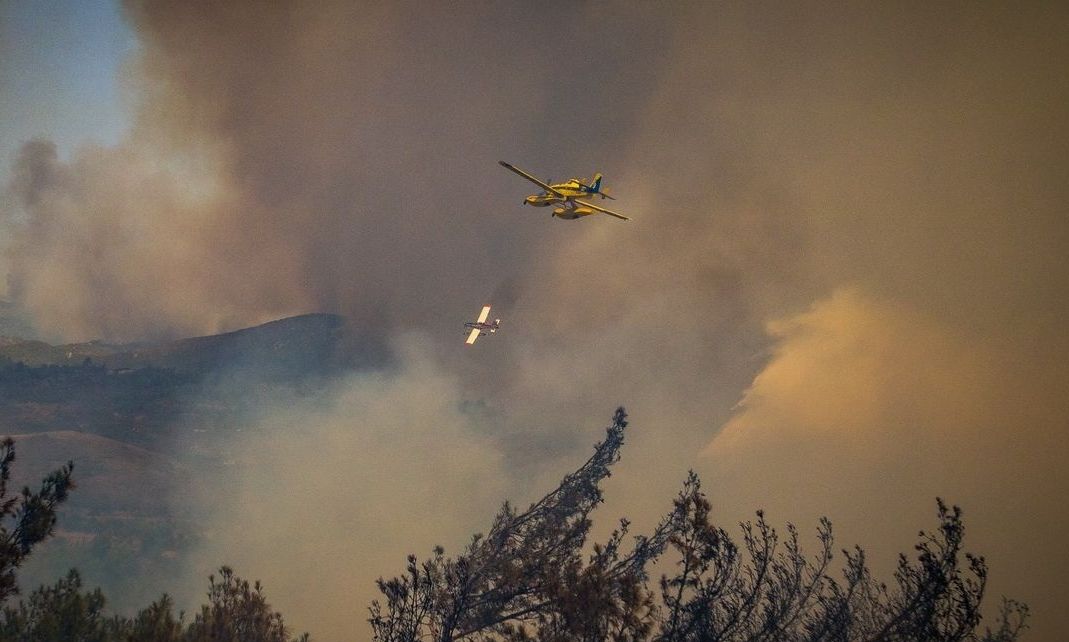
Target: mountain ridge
{"x":143,"y":423}
{"x":315,"y":334}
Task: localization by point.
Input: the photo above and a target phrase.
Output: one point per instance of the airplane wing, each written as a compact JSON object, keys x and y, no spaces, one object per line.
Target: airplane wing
{"x":473,"y":336}
{"x":534,"y":180}
{"x":601,"y":209}
{"x":485,"y":313}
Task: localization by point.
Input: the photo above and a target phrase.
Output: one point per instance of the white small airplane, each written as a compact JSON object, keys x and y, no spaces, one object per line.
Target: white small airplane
{"x":566,"y":196}
{"x":481,"y":326}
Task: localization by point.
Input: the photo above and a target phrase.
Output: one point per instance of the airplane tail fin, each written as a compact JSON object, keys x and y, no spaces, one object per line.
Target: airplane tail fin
{"x":595,"y":187}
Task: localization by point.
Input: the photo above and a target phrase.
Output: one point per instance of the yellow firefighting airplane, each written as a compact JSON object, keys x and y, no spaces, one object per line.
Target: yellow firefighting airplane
{"x":482,"y":326}
{"x":566,"y":196}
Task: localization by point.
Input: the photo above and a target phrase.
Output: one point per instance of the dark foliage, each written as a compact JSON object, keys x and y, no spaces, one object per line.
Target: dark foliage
{"x":529,"y":578}
{"x":236,"y":612}
{"x":770,"y":590}
{"x":58,"y":613}
{"x":26,"y":518}
{"x":528,"y":572}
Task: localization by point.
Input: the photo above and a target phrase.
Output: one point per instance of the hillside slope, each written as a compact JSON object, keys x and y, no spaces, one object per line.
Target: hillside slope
{"x":286,"y":346}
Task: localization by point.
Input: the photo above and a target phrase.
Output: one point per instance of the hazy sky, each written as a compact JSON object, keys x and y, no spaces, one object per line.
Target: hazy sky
{"x":842,"y":293}
{"x":59,"y":73}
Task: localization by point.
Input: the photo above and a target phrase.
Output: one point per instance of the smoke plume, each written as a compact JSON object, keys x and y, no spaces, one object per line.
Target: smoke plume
{"x":852,"y":219}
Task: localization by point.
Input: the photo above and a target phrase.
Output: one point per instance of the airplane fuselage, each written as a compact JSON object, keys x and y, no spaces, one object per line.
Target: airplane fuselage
{"x":567,"y":207}
{"x":572,"y":188}
{"x":571,"y":199}
{"x":492,"y":327}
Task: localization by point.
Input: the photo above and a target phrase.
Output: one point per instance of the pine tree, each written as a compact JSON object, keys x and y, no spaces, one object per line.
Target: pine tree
{"x":528,"y":579}
{"x":774,"y":592}
{"x":528,"y":572}
{"x":236,"y":612}
{"x":28,"y":518}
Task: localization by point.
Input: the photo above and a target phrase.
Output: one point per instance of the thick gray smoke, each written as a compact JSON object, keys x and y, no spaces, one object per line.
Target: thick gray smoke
{"x":324,"y":493}
{"x":850,"y":219}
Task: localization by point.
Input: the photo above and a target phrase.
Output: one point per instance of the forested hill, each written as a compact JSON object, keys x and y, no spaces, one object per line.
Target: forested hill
{"x":294,"y":345}
{"x":135,"y":392}
{"x":142,"y":422}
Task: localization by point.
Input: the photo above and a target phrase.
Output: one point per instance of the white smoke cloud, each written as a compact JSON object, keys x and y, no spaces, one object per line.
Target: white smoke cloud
{"x":326,"y":493}
{"x":869,"y":409}
{"x":342,"y":159}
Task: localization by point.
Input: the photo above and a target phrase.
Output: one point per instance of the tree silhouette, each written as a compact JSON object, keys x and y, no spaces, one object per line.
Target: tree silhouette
{"x":27,"y":518}
{"x":528,"y":571}
{"x":528,"y":578}
{"x":237,"y":611}
{"x":772,"y":591}
{"x":59,"y":613}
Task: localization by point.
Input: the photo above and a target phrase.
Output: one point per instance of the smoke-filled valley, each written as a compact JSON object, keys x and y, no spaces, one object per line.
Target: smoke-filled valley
{"x":841,"y":291}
